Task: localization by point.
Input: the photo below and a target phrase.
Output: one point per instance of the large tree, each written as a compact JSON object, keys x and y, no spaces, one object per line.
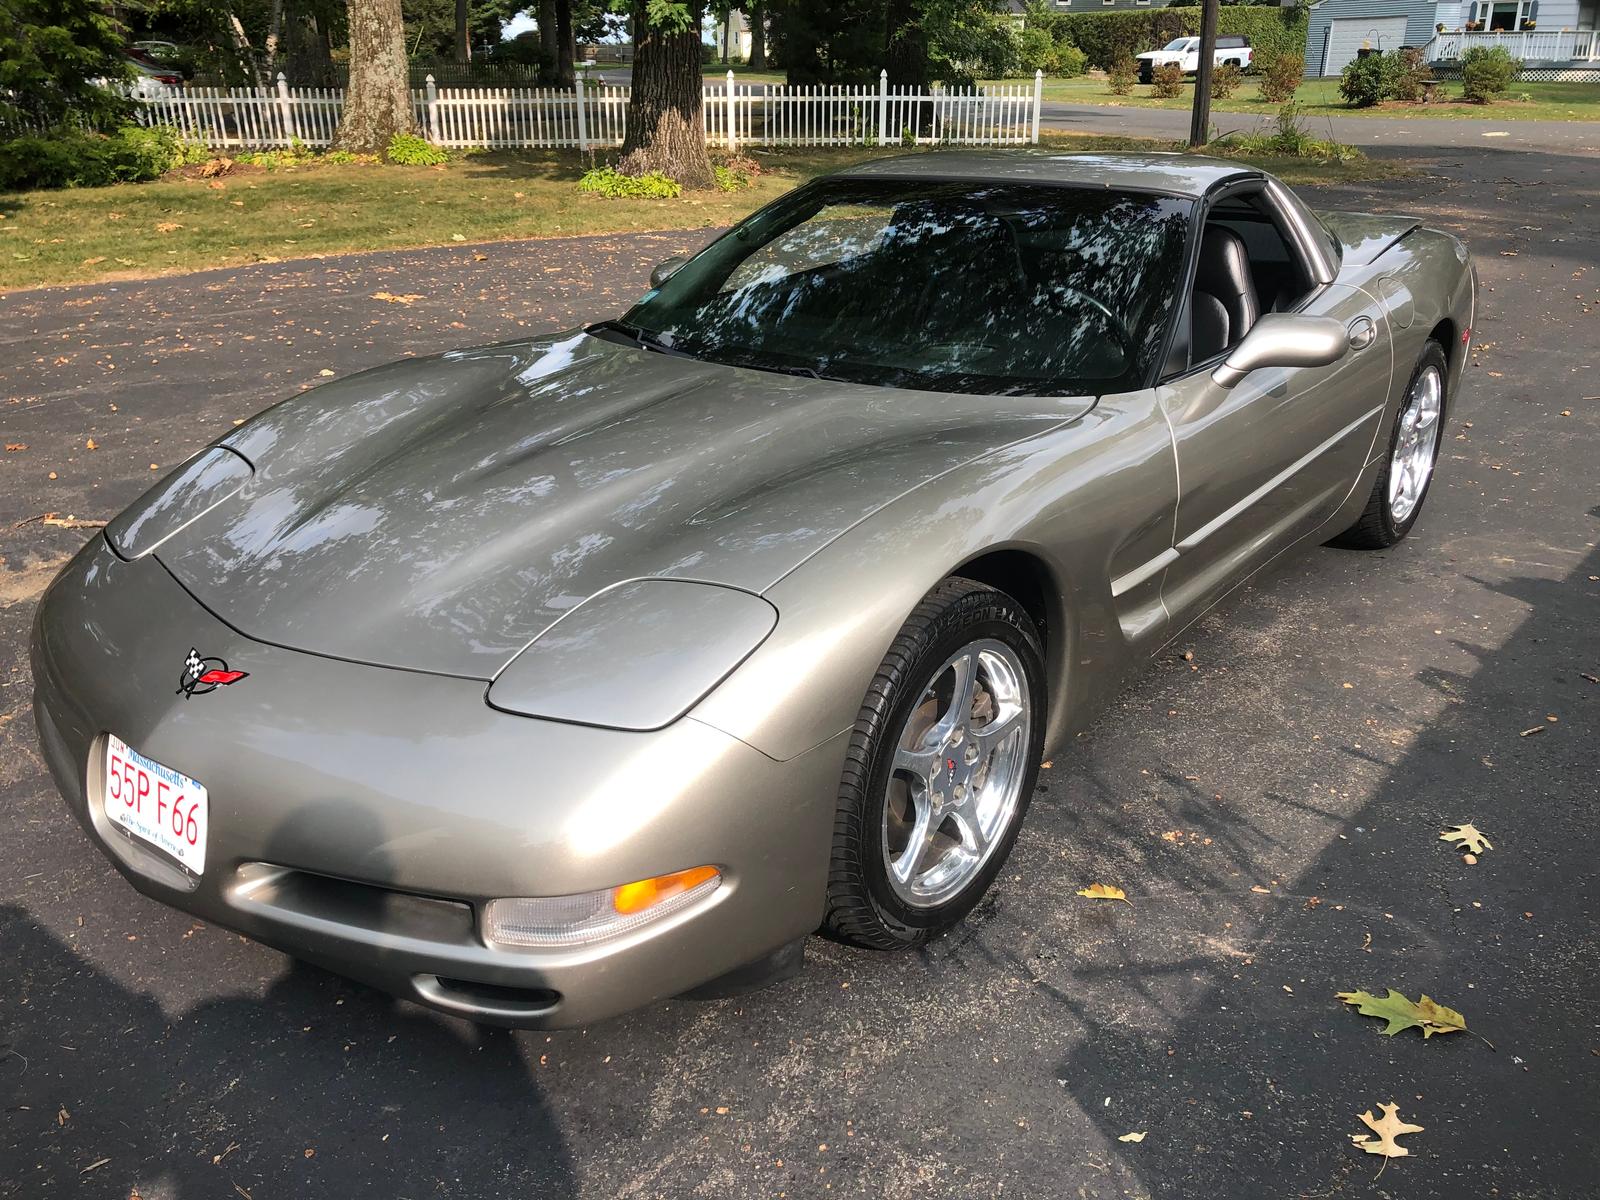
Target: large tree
{"x":377,"y":104}
{"x":666,"y":130}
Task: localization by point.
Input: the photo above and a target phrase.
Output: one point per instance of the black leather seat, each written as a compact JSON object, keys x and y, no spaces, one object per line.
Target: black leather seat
{"x":1225,"y":304}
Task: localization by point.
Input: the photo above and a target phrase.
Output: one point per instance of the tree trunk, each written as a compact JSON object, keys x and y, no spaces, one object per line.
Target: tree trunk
{"x":758,"y":36}
{"x":566,"y":48}
{"x":463,"y":34}
{"x":274,"y":36}
{"x":242,"y":47}
{"x":549,"y":44}
{"x":1200,"y":118}
{"x":907,"y":56}
{"x":666,"y":130}
{"x":377,"y":103}
{"x":906,"y":60}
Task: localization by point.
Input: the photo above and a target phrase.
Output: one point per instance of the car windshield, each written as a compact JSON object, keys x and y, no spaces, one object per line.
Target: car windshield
{"x":989,"y":288}
{"x":1177,"y":44}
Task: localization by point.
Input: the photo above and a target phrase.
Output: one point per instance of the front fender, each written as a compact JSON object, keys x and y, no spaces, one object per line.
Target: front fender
{"x":1089,"y":502}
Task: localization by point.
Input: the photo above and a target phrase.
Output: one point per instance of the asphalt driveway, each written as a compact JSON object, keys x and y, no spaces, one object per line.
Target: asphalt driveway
{"x":1271,"y":801}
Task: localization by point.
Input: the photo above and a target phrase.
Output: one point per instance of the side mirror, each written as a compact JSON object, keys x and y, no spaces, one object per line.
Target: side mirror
{"x":665,"y":270}
{"x":1284,"y":340}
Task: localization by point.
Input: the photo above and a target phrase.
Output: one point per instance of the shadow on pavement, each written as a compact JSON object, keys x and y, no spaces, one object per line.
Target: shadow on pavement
{"x":1259,"y":1073}
{"x":241,"y":1093}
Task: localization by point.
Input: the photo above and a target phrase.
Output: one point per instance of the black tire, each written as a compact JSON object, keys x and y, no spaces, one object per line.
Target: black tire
{"x":862,"y":907}
{"x":1377,"y":528}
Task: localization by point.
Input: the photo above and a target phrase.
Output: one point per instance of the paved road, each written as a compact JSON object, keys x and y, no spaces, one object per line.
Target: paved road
{"x":1272,"y":808}
{"x":1413,"y":135}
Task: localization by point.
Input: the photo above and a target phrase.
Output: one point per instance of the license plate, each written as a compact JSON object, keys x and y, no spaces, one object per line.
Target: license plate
{"x":155,"y":803}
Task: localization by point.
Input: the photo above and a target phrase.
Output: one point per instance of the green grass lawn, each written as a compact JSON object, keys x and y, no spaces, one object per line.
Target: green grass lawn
{"x":1320,"y":97}
{"x":257,"y":215}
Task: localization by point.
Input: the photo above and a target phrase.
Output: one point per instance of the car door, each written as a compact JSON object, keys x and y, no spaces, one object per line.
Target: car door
{"x":1264,"y":462}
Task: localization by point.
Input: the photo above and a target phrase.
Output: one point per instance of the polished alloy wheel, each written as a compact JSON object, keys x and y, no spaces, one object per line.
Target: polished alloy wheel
{"x":957,"y":774}
{"x":1417,"y":445}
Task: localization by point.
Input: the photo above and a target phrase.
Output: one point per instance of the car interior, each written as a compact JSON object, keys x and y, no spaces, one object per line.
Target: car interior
{"x":1245,"y":268}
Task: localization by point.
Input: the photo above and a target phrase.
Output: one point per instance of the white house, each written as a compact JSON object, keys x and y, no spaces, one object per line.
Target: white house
{"x":1544,"y":33}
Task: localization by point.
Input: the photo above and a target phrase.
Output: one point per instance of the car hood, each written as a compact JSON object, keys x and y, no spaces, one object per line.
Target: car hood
{"x":438,"y":514}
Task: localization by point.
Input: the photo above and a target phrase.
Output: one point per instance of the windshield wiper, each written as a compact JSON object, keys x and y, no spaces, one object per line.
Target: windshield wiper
{"x":640,"y":338}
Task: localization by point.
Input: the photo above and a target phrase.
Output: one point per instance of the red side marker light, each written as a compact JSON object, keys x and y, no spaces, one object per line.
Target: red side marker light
{"x":1466,"y":336}
{"x":215,"y":677}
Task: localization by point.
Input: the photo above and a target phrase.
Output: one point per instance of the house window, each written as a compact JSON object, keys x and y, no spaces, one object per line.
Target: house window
{"x":1501,"y":15}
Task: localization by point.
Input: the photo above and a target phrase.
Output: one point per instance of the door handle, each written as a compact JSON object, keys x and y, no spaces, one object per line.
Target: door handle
{"x":1362,"y":331}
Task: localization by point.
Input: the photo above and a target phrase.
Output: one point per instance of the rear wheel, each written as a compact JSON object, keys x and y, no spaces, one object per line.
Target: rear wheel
{"x":1402,"y":484}
{"x":940,"y":769}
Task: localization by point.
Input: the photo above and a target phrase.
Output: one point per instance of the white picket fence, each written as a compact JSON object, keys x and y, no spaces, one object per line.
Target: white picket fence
{"x":589,"y":116}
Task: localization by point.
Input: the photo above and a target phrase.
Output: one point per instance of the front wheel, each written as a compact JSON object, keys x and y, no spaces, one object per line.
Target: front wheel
{"x":1402,"y":484}
{"x":940,"y":769}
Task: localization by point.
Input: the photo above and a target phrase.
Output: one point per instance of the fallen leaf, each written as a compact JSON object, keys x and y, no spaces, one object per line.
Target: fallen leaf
{"x":14,"y":447}
{"x":1388,"y":1127}
{"x":90,"y":445}
{"x":167,"y":226}
{"x":1105,"y":891}
{"x":325,"y":372}
{"x":1468,"y":838}
{"x":1132,"y":1137}
{"x":1401,"y":1013}
{"x":391,"y":298}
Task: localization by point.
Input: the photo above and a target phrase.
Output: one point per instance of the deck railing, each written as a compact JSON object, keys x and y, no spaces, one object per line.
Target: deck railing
{"x":1526,"y":45}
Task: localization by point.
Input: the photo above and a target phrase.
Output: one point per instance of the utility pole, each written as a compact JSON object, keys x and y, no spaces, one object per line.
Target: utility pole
{"x":1200,"y":122}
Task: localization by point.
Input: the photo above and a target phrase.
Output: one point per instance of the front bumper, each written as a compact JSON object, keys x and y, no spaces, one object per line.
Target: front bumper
{"x":361,"y":816}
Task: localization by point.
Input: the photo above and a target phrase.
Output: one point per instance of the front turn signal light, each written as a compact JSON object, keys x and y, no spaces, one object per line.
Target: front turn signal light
{"x":556,"y":922}
{"x":644,"y":895}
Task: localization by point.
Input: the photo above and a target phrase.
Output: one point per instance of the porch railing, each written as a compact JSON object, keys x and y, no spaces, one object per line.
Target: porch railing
{"x":1526,"y":45}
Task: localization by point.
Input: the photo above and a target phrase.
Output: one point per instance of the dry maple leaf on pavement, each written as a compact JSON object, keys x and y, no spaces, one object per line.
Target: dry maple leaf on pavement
{"x":1388,"y":1127}
{"x":1426,"y":1014}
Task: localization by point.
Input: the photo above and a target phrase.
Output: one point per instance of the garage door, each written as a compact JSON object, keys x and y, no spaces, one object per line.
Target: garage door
{"x":1346,"y":35}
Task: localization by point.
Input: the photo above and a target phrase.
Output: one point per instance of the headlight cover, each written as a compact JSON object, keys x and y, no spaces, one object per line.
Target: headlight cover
{"x":634,"y":656}
{"x":558,"y":922}
{"x":183,"y":497}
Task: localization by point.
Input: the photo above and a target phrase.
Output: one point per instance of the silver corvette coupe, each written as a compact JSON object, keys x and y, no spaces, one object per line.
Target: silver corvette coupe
{"x":539,"y":681}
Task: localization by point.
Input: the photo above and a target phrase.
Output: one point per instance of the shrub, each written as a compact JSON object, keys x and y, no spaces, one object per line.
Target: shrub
{"x":1368,"y":79}
{"x":1486,"y":73}
{"x":71,"y":157}
{"x":1068,"y":61}
{"x":409,"y":150}
{"x":1123,"y":73}
{"x":613,"y":184}
{"x":1280,"y":77}
{"x":1035,"y":50}
{"x":729,"y":179}
{"x":1168,"y":80}
{"x":1225,"y":81}
{"x":1411,"y":72}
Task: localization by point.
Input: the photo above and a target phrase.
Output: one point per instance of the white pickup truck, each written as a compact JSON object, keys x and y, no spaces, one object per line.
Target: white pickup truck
{"x":1185,"y":51}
